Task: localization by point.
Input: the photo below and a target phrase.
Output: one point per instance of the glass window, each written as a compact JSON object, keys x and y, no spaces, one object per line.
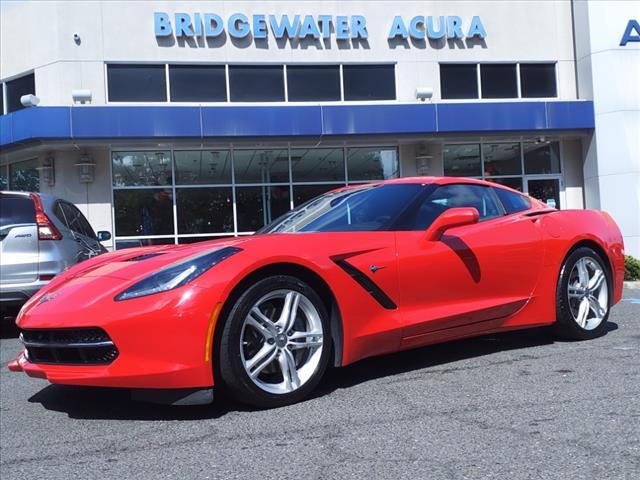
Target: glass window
{"x":542,"y":157}
{"x":499,"y":81}
{"x":204,"y":210}
{"x":256,"y":83}
{"x":24,"y":176}
{"x":258,"y":206}
{"x":198,"y":167}
{"x":198,"y":83}
{"x":16,"y":209}
{"x":304,"y":193}
{"x":372,"y":163}
{"x":143,"y":212}
{"x":261,"y":166}
{"x":75,"y":220}
{"x":183,"y":240}
{"x":501,"y":159}
{"x":142,"y":242}
{"x":462,"y":160}
{"x":317,"y":164}
{"x":454,"y":196}
{"x":361,"y":209}
{"x":511,"y":201}
{"x":369,"y":82}
{"x":538,"y":80}
{"x":545,"y":190}
{"x":17,"y":88}
{"x":136,"y":83}
{"x":4,"y":178}
{"x":458,"y":81}
{"x":141,"y":168}
{"x":313,"y":83}
{"x":511,"y":182}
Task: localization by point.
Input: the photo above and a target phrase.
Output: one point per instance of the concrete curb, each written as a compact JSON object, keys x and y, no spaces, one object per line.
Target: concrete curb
{"x":634,"y":285}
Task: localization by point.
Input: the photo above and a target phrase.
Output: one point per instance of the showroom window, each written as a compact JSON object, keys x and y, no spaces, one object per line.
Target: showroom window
{"x":228,"y":192}
{"x":136,"y":83}
{"x":497,"y":80}
{"x":309,"y":83}
{"x":369,"y":82}
{"x":256,"y":83}
{"x":4,"y":177}
{"x":532,"y":167}
{"x":24,"y":176}
{"x":198,"y":83}
{"x":538,"y":80}
{"x":17,"y":88}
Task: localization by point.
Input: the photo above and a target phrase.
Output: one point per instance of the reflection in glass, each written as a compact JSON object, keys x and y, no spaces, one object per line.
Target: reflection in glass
{"x":304,"y":193}
{"x":462,"y":160}
{"x":317,"y":164}
{"x":547,"y":191}
{"x":204,"y":210}
{"x":542,"y":157}
{"x":198,"y":167}
{"x":261,"y":166}
{"x":512,"y":182}
{"x":142,"y":242}
{"x":143,"y":212}
{"x":24,"y":176}
{"x":501,"y":159}
{"x":372,"y":163}
{"x":4,"y":185}
{"x":141,"y":168}
{"x":183,"y":240}
{"x":257,"y":206}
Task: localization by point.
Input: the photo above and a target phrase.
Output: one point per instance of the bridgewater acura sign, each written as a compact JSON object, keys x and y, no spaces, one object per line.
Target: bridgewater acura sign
{"x":352,"y":27}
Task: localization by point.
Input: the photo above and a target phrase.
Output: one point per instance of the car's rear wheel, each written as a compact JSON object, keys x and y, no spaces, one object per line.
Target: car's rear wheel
{"x":583,"y":296}
{"x":275,"y":343}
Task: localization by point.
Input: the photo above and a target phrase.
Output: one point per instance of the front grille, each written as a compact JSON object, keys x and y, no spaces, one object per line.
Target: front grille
{"x":69,"y":346}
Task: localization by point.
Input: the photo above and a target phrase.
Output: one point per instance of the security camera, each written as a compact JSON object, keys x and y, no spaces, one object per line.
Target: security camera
{"x":29,"y":100}
{"x":76,"y":38}
{"x":424,"y":93}
{"x":81,"y":96}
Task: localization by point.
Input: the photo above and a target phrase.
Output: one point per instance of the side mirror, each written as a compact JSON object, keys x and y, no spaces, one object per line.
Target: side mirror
{"x":454,"y":217}
{"x":103,"y":236}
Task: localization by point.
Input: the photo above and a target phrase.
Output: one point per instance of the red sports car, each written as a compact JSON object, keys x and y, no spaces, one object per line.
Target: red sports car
{"x":360,"y":271}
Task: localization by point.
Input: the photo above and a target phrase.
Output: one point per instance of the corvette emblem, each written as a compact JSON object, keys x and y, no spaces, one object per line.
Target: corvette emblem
{"x":46,"y":297}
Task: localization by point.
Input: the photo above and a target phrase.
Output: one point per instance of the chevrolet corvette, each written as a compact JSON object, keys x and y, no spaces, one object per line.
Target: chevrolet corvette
{"x":360,"y":271}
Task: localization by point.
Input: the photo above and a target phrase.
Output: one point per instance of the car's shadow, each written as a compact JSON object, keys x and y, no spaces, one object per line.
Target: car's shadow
{"x":116,"y":404}
{"x":8,"y":328}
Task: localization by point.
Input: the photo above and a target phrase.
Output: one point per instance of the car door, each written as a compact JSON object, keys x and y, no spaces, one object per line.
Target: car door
{"x":475,"y":274}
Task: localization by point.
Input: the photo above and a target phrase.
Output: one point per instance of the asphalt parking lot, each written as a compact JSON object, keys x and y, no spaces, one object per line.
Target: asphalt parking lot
{"x":516,"y":405}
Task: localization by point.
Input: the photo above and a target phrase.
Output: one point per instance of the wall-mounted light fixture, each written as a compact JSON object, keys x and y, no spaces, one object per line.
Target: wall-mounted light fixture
{"x":86,"y":169}
{"x":423,"y":163}
{"x":29,"y":100}
{"x":81,"y":96}
{"x":424,"y":93}
{"x":47,"y":171}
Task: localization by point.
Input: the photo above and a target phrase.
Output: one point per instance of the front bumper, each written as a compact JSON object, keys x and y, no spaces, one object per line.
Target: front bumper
{"x":162,"y":340}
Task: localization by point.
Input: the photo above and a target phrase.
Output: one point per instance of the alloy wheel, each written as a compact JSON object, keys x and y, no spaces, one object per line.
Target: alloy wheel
{"x":588,"y":293}
{"x":281,"y":341}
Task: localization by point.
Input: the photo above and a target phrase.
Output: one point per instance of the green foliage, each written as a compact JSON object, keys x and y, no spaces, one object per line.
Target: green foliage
{"x":631,"y":268}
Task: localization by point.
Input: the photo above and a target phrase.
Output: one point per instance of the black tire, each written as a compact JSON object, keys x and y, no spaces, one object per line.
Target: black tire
{"x":566,"y":326}
{"x":235,"y":379}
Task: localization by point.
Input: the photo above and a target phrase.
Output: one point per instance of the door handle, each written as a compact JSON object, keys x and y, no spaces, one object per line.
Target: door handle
{"x":375,"y":268}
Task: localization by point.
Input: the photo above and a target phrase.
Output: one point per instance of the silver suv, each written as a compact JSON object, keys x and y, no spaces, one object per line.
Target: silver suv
{"x":40,"y":236}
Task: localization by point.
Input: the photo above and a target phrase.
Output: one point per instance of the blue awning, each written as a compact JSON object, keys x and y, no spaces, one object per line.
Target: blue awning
{"x":238,"y":121}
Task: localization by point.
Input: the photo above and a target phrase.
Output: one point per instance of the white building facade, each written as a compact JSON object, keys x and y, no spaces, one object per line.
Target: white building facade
{"x":173,"y":122}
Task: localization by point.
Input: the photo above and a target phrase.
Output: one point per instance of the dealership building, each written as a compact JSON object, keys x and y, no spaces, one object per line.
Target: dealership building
{"x":174,"y":122}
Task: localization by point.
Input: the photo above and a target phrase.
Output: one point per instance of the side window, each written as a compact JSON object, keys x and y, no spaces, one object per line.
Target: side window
{"x":453,"y":196}
{"x":512,"y":202}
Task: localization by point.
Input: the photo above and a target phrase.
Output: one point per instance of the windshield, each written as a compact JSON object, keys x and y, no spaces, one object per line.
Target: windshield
{"x":361,"y":209}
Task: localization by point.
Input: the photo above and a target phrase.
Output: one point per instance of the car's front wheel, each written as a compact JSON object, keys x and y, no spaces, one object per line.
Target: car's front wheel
{"x":275,"y":343}
{"x":582,"y":296}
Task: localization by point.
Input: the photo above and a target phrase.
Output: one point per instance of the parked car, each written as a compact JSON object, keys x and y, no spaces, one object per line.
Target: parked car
{"x":360,"y":271}
{"x":40,"y":236}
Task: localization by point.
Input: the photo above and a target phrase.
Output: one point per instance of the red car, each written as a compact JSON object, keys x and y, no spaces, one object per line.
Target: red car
{"x":360,"y":271}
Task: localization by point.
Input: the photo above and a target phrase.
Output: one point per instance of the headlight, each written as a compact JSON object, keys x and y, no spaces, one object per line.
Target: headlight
{"x":177,"y":275}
